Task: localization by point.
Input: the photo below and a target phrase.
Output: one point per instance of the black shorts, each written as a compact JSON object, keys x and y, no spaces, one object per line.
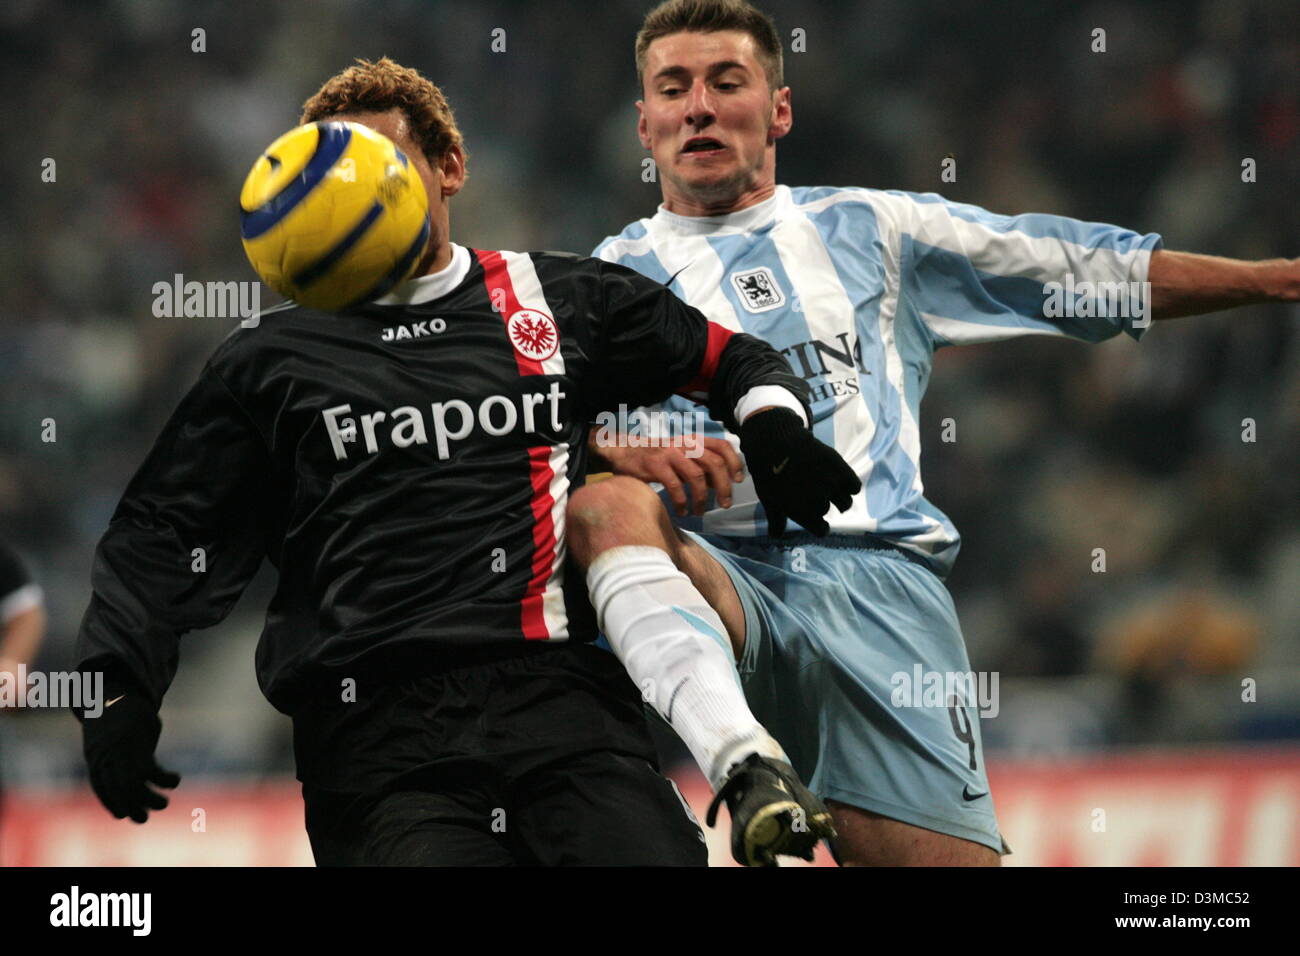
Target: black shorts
{"x":539,"y":757}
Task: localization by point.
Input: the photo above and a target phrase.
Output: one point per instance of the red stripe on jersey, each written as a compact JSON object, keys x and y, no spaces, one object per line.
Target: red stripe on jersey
{"x":501,"y":295}
{"x":699,"y":385}
{"x":544,"y":543}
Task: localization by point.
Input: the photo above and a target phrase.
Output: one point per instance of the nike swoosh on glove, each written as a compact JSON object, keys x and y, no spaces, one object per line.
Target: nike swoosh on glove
{"x":794,"y":474}
{"x":119,"y":746}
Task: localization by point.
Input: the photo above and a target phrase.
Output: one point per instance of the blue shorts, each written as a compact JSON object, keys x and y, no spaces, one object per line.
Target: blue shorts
{"x":840,"y":643}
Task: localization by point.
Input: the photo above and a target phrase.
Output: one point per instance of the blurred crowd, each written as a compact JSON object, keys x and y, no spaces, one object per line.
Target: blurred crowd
{"x":1061,"y":448}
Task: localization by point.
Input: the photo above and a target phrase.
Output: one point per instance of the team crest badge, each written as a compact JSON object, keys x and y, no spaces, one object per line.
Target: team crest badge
{"x":758,"y":289}
{"x":533,"y":334}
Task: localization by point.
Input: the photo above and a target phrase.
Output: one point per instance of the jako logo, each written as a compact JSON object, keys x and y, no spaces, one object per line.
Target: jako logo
{"x":103,"y":909}
{"x":415,"y":330}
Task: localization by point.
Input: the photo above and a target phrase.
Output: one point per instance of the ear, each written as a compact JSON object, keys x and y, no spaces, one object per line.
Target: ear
{"x":642,"y":131}
{"x":782,"y":115}
{"x":452,"y":167}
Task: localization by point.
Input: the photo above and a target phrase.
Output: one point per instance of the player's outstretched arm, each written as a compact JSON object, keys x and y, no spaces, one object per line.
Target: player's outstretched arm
{"x":1187,"y":283}
{"x":988,"y":278}
{"x":185,"y":540}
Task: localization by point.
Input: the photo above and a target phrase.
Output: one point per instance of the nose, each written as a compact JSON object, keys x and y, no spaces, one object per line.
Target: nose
{"x":699,"y":105}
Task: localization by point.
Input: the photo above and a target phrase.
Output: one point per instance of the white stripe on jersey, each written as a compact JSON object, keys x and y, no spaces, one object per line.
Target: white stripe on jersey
{"x":971,"y":333}
{"x":909,"y":432}
{"x":528,"y":291}
{"x":699,"y":271}
{"x":828,"y":312}
{"x":553,"y":611}
{"x":618,"y":249}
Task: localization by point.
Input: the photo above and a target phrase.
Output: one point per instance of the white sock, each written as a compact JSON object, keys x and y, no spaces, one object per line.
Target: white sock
{"x":675,"y":648}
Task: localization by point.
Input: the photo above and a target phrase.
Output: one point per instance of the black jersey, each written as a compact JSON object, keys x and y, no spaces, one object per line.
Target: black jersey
{"x":405,"y":466}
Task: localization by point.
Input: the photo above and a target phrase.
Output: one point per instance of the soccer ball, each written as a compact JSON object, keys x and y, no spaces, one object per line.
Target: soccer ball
{"x":333,"y":214}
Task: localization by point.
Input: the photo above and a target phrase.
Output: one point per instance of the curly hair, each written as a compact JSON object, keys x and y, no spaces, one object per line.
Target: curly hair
{"x":383,"y":85}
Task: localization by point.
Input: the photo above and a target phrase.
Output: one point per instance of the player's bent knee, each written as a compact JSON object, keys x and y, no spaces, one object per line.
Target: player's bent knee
{"x":599,"y":504}
{"x":620,"y":510}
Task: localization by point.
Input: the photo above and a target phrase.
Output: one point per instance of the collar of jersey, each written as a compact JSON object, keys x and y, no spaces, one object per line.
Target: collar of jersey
{"x":747,"y":220}
{"x":434,"y":286}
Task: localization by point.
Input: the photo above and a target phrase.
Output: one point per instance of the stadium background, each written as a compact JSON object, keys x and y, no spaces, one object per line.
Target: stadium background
{"x":1120,"y":691}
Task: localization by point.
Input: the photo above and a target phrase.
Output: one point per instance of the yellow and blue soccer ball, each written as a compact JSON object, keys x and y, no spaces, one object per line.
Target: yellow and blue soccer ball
{"x":333,"y":214}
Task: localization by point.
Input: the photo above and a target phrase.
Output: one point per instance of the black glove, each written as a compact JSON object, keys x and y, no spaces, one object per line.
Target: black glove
{"x":119,"y":746}
{"x":794,"y":474}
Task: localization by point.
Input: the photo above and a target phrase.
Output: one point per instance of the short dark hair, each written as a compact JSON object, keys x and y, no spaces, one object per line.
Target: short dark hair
{"x":709,"y":16}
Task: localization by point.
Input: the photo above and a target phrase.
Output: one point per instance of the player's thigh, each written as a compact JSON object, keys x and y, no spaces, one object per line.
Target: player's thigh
{"x":899,"y":710}
{"x":420,"y":828}
{"x":604,"y":808}
{"x":714,"y":585}
{"x":839,"y":634}
{"x":865,"y":838}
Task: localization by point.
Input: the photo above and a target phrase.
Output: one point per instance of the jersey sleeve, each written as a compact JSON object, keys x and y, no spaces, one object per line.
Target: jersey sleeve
{"x":18,"y":592}
{"x":973,"y":276}
{"x":183,"y":543}
{"x":650,"y":345}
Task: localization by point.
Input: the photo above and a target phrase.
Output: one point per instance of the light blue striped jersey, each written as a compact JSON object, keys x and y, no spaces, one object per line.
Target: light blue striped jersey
{"x":857,"y":288}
